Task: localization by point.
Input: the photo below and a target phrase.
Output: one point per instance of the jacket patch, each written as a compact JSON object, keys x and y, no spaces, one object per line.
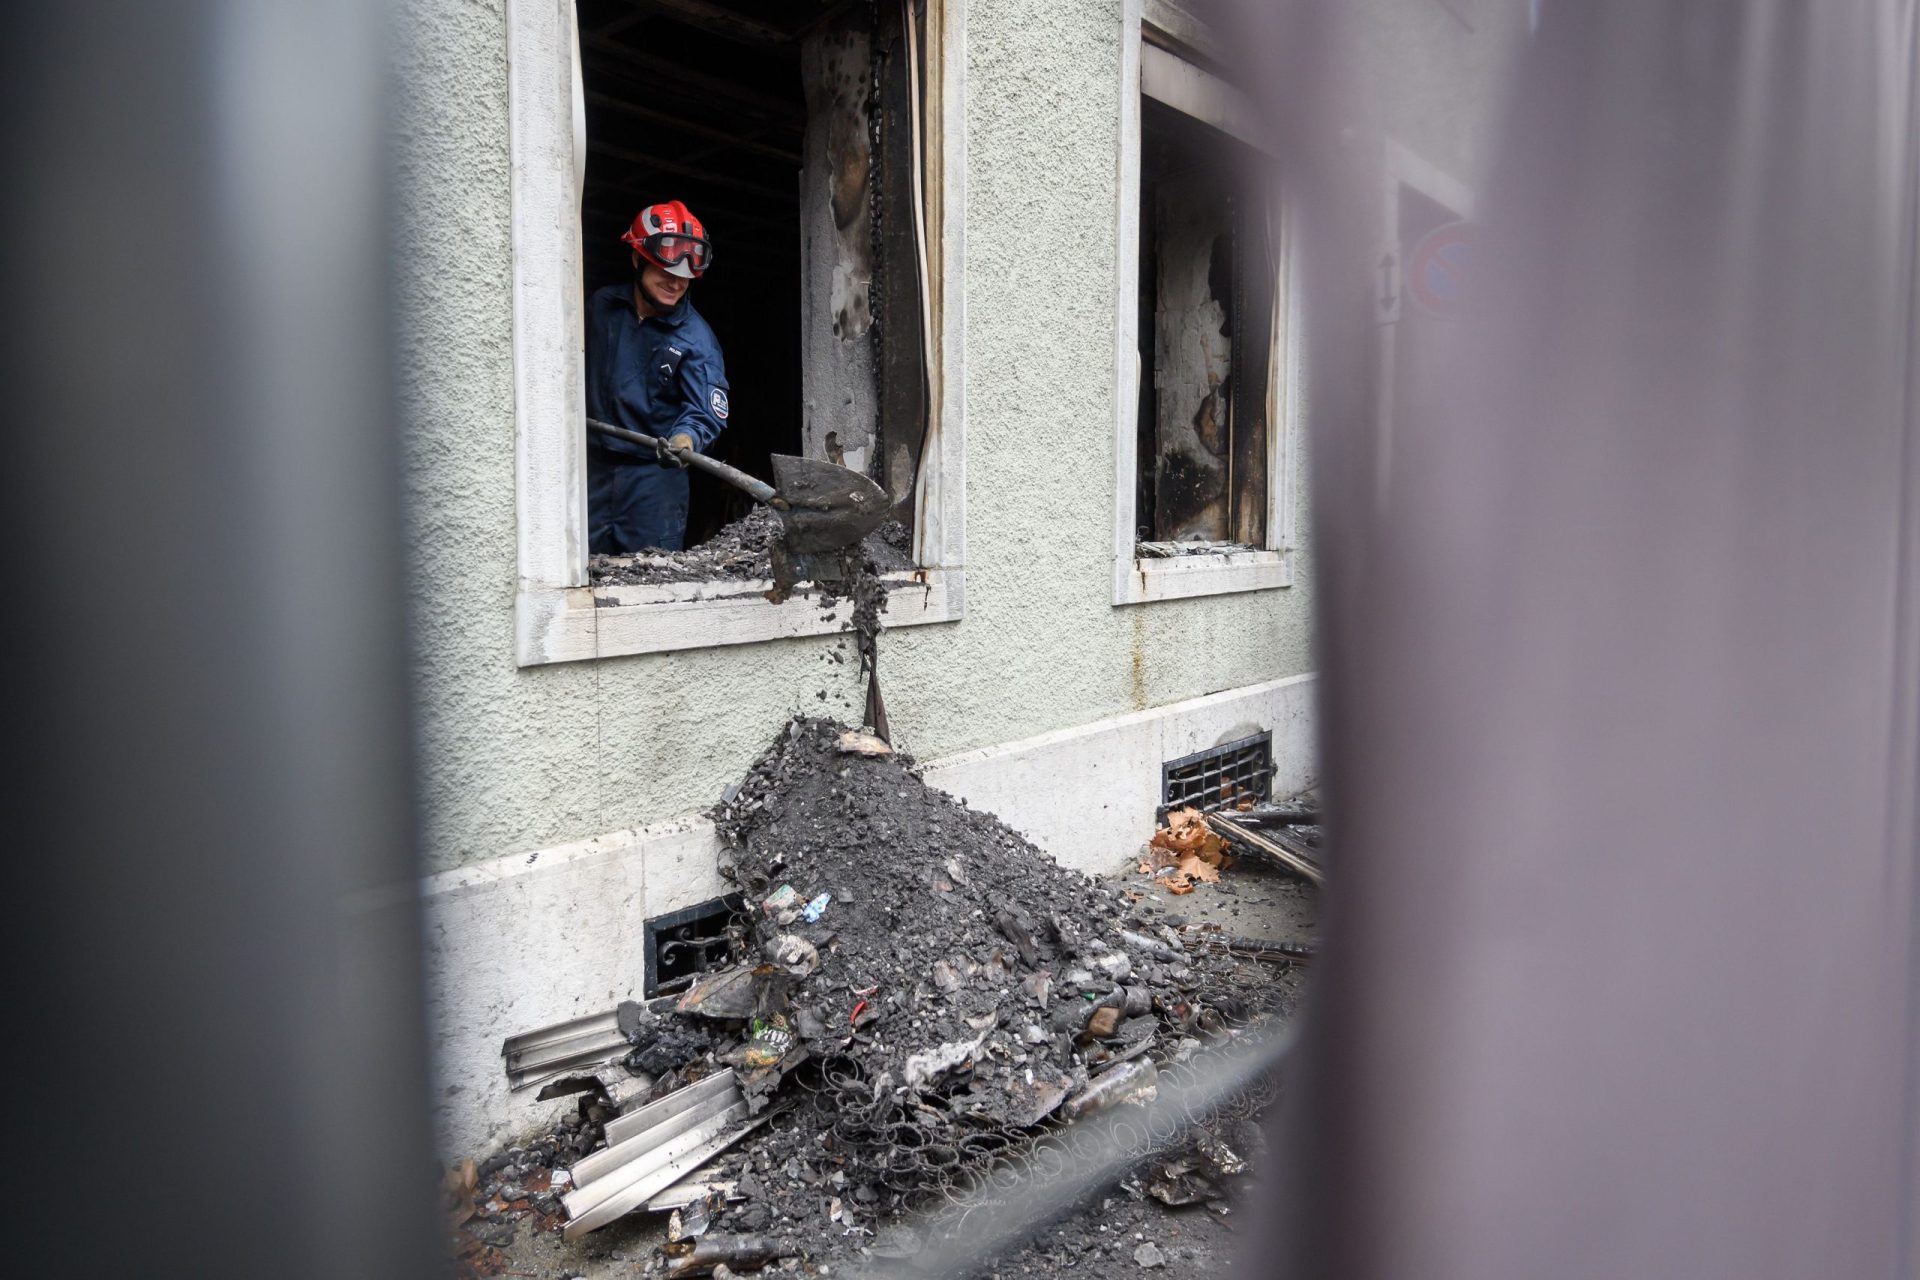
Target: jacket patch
{"x":719,"y":402}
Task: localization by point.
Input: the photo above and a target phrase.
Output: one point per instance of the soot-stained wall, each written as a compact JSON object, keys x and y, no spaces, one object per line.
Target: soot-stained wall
{"x":837,"y":247}
{"x":1192,"y":356}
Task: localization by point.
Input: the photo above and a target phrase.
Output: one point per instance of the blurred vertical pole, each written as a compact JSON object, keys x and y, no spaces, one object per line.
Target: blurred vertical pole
{"x":1622,"y":681}
{"x":220,"y":1068}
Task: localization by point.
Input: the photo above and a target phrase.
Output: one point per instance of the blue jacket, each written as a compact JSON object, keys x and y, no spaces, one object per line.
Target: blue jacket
{"x":660,"y":376}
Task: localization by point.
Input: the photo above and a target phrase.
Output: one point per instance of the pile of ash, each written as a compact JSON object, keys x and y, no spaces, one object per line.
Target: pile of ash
{"x":741,"y":551}
{"x":924,"y":991}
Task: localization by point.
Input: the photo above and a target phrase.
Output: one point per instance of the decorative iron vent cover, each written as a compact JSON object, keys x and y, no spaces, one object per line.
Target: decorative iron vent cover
{"x":1219,"y":777}
{"x":681,"y":945}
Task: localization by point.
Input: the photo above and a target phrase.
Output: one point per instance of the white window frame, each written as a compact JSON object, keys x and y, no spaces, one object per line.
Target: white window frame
{"x":558,"y":615}
{"x":1165,"y":76}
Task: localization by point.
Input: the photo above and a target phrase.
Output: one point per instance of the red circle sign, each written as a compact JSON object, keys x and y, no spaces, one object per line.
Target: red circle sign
{"x":1439,"y":266}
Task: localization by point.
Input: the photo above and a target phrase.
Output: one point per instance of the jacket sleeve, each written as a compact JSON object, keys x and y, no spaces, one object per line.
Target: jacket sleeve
{"x":703,"y":406}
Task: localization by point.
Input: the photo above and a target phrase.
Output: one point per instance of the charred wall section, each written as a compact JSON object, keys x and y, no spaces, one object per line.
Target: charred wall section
{"x":1206,"y":330}
{"x":864,"y":335}
{"x":899,"y":78}
{"x":840,"y":384}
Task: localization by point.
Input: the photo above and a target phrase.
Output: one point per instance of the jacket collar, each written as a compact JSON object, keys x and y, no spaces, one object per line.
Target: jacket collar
{"x":670,"y":318}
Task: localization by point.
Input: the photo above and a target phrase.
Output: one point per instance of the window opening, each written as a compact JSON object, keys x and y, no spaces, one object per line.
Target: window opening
{"x":786,"y":127}
{"x":1206,"y":332}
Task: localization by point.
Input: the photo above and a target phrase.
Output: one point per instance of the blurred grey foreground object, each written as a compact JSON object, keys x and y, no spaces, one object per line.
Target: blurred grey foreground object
{"x":1653,"y":541}
{"x":211,"y":876}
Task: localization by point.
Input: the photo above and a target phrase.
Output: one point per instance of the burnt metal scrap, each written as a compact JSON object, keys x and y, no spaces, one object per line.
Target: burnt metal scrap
{"x":1276,"y":951}
{"x":1070,"y":1192}
{"x":551,"y":1053}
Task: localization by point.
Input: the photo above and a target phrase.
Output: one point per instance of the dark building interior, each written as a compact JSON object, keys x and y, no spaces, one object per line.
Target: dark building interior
{"x":1202,"y":420}
{"x":702,"y":102}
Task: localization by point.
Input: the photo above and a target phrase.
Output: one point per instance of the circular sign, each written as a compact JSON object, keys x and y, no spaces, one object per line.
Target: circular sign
{"x":1439,"y":266}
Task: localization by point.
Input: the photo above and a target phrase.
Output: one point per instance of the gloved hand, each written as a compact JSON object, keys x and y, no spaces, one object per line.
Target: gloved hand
{"x":669,"y":449}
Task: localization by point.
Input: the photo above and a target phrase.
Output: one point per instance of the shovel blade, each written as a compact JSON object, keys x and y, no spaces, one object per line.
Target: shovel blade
{"x":828,"y":507}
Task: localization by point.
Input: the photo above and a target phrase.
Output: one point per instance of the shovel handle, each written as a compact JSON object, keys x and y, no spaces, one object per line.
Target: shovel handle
{"x":712,"y":466}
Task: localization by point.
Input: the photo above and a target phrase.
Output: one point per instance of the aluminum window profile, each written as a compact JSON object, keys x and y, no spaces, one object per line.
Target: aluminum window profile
{"x":620,"y":1128}
{"x":660,"y":1168}
{"x":605,"y":1162}
{"x":536,"y":1057}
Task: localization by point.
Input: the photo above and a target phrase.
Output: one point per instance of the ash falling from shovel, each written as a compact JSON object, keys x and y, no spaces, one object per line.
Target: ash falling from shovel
{"x":862,"y":586}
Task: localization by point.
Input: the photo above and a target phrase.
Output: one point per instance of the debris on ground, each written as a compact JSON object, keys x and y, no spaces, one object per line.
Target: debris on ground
{"x":1194,"y":847}
{"x":922,"y":996}
{"x":652,"y":1149}
{"x":1302,"y":811}
{"x":1284,"y":953}
{"x":742,"y":552}
{"x":1298,"y":854}
{"x":1185,"y":852}
{"x":553,"y":1054}
{"x":488,"y":1202}
{"x":967,"y":986}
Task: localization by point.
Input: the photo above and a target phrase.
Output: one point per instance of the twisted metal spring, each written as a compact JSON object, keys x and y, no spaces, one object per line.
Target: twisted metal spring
{"x":923,"y":1156}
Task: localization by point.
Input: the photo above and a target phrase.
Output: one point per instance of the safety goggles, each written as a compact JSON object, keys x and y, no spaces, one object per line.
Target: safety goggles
{"x":672,"y":248}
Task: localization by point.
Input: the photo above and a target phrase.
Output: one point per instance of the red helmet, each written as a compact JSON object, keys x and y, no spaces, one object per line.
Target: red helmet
{"x":671,"y":238}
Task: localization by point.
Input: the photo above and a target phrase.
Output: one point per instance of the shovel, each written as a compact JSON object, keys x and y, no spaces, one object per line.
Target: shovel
{"x":823,"y":508}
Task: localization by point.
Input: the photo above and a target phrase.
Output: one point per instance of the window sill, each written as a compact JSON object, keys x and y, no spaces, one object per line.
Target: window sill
{"x":1141,"y":580}
{"x":575,"y":624}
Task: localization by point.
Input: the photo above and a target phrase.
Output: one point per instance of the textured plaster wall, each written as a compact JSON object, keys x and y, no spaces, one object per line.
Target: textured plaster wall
{"x":520,"y":759}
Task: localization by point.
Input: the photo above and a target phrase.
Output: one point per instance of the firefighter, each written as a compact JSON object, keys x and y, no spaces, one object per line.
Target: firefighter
{"x":653,"y":366}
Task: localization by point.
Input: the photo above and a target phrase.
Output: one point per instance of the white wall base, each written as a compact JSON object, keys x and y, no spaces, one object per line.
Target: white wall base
{"x":531,"y":939}
{"x":1087,"y":794}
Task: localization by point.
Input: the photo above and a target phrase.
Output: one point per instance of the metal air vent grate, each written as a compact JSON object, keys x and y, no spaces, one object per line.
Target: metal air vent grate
{"x":683,"y":944}
{"x":1219,"y":777}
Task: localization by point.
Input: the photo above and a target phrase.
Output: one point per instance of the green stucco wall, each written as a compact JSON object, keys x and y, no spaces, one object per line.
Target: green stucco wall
{"x":516,"y":759}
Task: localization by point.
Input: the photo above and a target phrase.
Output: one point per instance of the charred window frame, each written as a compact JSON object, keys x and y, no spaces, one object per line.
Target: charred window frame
{"x":559,"y":617}
{"x":1206,"y":299}
{"x":1185,"y":126}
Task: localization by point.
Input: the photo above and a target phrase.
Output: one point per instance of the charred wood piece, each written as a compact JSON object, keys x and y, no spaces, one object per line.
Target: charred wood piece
{"x":1278,"y":815}
{"x":1273,"y":850}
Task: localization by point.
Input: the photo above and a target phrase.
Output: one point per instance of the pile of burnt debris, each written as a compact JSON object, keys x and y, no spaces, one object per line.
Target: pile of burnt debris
{"x":920,"y":997}
{"x":741,"y":551}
